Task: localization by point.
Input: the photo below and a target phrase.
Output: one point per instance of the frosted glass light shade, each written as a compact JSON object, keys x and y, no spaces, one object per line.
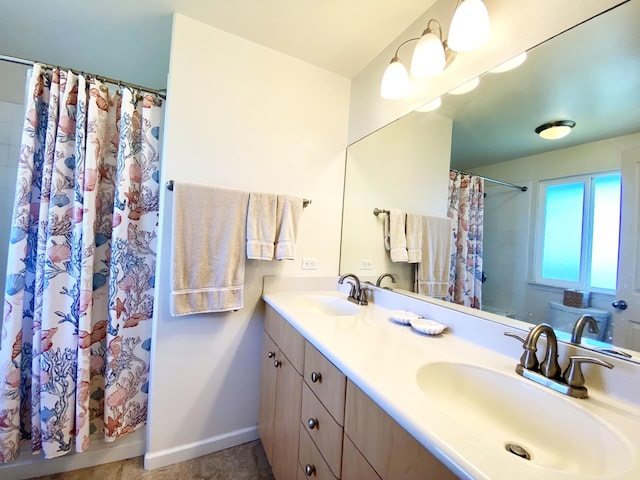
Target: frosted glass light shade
{"x":469,"y":27}
{"x":555,"y":130}
{"x":428,"y":57}
{"x":515,"y":62}
{"x":431,"y":106}
{"x":395,"y":81}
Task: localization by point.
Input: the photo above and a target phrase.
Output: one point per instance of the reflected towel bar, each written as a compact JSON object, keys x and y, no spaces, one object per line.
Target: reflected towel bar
{"x":169,"y":185}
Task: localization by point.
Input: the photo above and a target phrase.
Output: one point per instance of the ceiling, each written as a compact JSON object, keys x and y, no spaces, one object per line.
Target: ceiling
{"x":589,"y":74}
{"x":341,"y":36}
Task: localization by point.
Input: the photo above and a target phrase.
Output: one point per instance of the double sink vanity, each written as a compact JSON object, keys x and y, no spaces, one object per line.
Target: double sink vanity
{"x":347,"y":393}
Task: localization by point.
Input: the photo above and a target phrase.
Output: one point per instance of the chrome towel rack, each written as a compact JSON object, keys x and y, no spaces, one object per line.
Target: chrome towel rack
{"x":378,"y":211}
{"x":305,"y":202}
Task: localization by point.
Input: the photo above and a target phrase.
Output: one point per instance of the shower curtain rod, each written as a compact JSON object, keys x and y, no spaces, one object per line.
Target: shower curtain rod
{"x":31,"y":63}
{"x":507,"y":184}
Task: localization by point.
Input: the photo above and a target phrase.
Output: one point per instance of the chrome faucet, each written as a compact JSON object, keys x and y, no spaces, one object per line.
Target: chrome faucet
{"x":357,"y":294}
{"x":381,"y":277}
{"x":549,"y":366}
{"x":578,"y":328}
{"x":548,"y":373}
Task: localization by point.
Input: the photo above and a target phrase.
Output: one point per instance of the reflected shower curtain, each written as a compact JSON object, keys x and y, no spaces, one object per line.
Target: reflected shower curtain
{"x":466,"y":210}
{"x":80,"y":276}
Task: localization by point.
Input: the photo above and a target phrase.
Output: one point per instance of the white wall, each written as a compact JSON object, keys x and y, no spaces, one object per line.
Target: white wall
{"x":413,"y":153}
{"x":243,"y":116}
{"x":515,"y":26}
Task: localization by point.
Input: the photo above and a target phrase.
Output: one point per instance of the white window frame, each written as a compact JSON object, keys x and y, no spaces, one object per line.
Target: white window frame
{"x":588,"y":179}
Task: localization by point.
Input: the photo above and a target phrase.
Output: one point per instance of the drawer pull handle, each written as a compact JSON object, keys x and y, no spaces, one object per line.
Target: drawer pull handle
{"x":271,"y":354}
{"x":312,"y":423}
{"x":277,"y":363}
{"x":309,"y":470}
{"x":316,"y":377}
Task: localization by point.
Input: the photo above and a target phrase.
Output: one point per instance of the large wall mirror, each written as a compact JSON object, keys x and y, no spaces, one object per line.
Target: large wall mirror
{"x":590,"y":74}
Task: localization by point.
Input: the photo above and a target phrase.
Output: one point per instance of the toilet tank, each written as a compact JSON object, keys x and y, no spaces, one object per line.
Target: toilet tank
{"x":563,"y":317}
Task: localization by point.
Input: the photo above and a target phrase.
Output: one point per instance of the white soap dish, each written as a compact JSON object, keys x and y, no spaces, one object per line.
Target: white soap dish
{"x":403,"y":317}
{"x":429,"y":327}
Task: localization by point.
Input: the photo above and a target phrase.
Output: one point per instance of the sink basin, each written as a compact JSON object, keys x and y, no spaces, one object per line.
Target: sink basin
{"x":326,"y":305}
{"x":505,"y":410}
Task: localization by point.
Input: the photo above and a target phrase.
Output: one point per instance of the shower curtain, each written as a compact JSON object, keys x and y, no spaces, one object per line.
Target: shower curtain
{"x":80,"y":275}
{"x":466,"y":210}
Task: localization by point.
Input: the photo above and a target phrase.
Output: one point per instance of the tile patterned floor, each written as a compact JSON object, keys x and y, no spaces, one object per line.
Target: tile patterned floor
{"x":243,"y":462}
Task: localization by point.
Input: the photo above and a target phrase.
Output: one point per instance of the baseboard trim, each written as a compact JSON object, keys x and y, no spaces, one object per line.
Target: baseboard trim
{"x":29,"y":466}
{"x":162,"y":458}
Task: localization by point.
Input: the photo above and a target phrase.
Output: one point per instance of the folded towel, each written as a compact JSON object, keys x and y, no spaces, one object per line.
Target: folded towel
{"x":261,"y":226}
{"x":432,"y":277}
{"x":289,"y":212}
{"x":208,"y":253}
{"x":414,"y":237}
{"x":397,"y":236}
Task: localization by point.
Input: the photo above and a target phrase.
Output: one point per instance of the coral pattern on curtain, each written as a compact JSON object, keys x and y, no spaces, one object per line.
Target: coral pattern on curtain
{"x":466,"y":210}
{"x":80,"y":275}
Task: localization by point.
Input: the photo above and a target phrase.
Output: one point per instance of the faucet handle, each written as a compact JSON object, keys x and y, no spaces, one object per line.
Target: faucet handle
{"x":573,"y":374}
{"x":516,"y":336}
{"x":363,"y":300}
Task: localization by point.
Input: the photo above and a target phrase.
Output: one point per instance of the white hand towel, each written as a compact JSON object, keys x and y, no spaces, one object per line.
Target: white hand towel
{"x":433,"y":271}
{"x":289,"y":212}
{"x":261,"y":226}
{"x":208,"y":249}
{"x":414,"y":237}
{"x":397,"y":235}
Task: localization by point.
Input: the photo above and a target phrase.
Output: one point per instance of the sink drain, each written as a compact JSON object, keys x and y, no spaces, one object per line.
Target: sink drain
{"x":518,"y":450}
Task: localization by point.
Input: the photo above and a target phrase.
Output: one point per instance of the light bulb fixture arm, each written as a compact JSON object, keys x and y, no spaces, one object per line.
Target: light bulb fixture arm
{"x":395,"y":57}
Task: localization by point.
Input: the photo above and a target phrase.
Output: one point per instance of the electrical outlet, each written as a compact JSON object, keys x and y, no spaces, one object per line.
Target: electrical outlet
{"x":309,"y":264}
{"x":366,"y":264}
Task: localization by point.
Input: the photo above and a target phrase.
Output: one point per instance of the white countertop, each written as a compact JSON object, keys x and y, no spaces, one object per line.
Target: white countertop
{"x":382,"y":358}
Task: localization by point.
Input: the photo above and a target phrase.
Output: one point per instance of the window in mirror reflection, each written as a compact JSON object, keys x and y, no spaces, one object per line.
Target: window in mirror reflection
{"x":580,"y":225}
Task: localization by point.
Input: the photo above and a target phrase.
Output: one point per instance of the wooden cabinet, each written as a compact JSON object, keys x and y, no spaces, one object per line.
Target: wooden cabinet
{"x":281,"y":395}
{"x":315,"y":423}
{"x":322,"y":414}
{"x":386,"y":446}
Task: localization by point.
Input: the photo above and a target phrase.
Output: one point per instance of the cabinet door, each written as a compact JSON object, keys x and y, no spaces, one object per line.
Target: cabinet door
{"x":268,"y":395}
{"x":287,"y":421}
{"x":391,"y":451}
{"x":354,"y":465}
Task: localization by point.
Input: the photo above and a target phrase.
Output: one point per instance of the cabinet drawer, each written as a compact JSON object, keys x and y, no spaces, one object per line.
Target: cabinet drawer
{"x":354,"y":465}
{"x":391,"y":451}
{"x":326,"y":381}
{"x":326,"y":433}
{"x":310,"y":457}
{"x":286,"y":337}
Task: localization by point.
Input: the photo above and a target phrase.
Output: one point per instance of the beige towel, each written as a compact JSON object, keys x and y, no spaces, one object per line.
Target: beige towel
{"x":414,"y":237}
{"x":397,"y":235}
{"x":208,"y":254}
{"x":261,"y":226}
{"x":289,"y":212}
{"x":433,"y":271}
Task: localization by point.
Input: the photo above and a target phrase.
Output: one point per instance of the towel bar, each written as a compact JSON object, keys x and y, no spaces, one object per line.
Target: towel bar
{"x":169,"y":185}
{"x":377,"y":211}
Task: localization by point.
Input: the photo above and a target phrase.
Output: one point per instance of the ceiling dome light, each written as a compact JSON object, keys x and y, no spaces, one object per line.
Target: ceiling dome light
{"x":395,"y":81}
{"x":466,"y":87}
{"x":515,"y":62}
{"x":469,"y":27}
{"x":429,"y":55}
{"x":555,"y":130}
{"x":431,"y":106}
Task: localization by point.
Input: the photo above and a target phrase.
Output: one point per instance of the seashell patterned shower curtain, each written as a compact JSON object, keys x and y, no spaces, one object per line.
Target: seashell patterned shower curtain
{"x":74,"y":362}
{"x":466,"y":211}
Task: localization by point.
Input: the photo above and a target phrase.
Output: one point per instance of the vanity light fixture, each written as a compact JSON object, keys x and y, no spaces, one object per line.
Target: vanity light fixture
{"x":466,"y":87}
{"x":469,"y":26}
{"x":431,"y":106}
{"x":511,"y":64}
{"x":429,"y":57}
{"x":469,"y":29}
{"x":555,"y":130}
